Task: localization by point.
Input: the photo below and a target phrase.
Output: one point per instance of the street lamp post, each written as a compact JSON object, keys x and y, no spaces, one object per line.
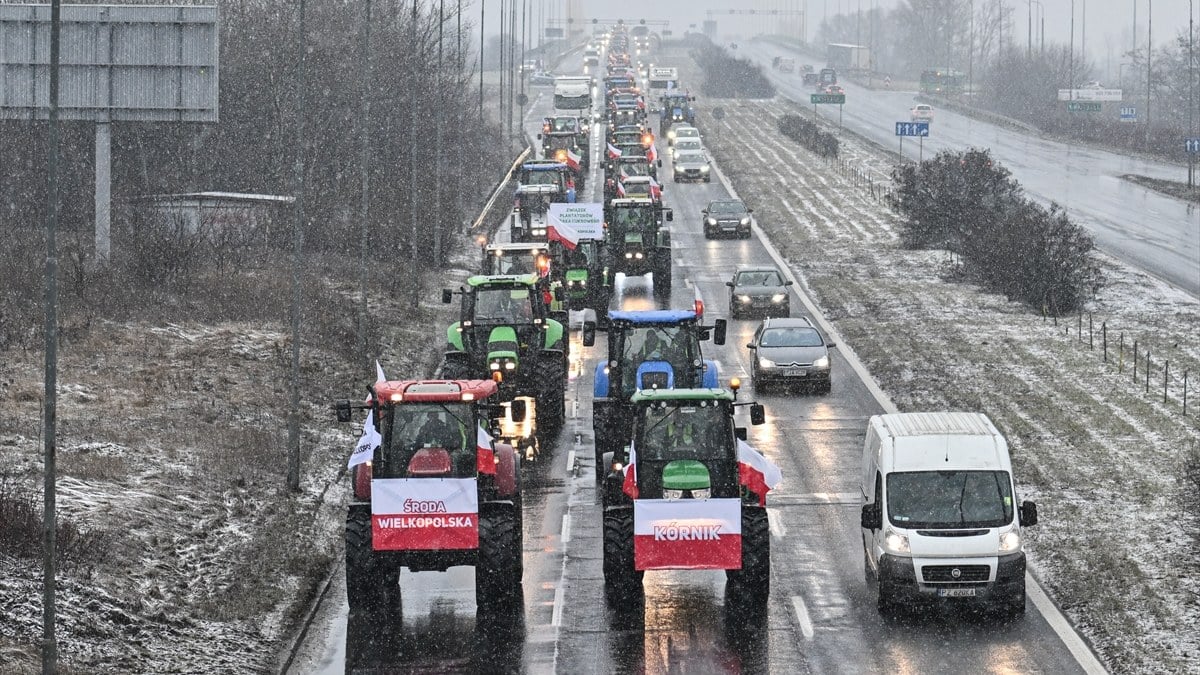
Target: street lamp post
{"x":1071,"y":67}
{"x":1149,"y":57}
{"x":1191,"y":93}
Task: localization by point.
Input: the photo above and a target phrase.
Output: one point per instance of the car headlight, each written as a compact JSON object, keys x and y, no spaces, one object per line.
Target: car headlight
{"x":746,"y":220}
{"x":671,"y":135}
{"x":895,"y":542}
{"x":672,"y":494}
{"x":1010,"y":541}
{"x":710,"y":221}
{"x":704,"y":169}
{"x":703,"y":493}
{"x":779,"y":297}
{"x":744,"y":298}
{"x":822,"y":362}
{"x":765,"y":363}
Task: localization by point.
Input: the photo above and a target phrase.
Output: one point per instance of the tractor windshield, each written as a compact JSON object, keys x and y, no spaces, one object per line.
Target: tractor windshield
{"x":634,"y":169}
{"x":504,"y":305}
{"x":673,"y":344}
{"x":423,"y":435}
{"x":534,"y":203}
{"x":541,"y":178}
{"x":513,"y":262}
{"x":684,"y":430}
{"x":634,"y":218}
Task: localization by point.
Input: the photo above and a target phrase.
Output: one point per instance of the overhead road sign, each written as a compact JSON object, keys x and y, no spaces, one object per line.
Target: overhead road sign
{"x":1191,"y":145}
{"x":1084,"y":106}
{"x":919,"y":129}
{"x":1128,"y":113}
{"x":1109,"y":95}
{"x":835,"y":99}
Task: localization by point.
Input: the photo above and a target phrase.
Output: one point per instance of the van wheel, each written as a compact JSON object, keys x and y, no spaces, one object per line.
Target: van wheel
{"x":887,"y":606}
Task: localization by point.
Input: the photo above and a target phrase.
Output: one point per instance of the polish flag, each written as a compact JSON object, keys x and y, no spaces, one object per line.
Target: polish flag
{"x":573,"y":160}
{"x":652,"y":153}
{"x":655,"y":190}
{"x":689,"y":534}
{"x":419,"y":514}
{"x":613,"y":151}
{"x":630,"y":487}
{"x":485,"y":461}
{"x":620,"y":189}
{"x":756,"y":472}
{"x":379,"y":376}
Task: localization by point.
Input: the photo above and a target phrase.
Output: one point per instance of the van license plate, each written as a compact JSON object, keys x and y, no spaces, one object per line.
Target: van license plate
{"x":956,"y":592}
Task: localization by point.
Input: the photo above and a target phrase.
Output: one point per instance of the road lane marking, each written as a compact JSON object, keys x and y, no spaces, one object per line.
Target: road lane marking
{"x":776,"y":524}
{"x":802,"y":618}
{"x":565,"y":534}
{"x":556,"y":615}
{"x":570,"y":462}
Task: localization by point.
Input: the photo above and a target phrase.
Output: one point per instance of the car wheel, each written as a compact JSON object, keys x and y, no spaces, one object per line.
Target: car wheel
{"x":676,"y":178}
{"x":708,"y":179}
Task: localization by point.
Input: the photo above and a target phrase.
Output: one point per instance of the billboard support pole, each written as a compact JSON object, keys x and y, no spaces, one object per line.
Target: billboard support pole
{"x":103,"y":192}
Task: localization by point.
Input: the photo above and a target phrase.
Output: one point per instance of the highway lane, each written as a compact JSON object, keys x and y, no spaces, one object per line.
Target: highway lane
{"x":1158,"y":234}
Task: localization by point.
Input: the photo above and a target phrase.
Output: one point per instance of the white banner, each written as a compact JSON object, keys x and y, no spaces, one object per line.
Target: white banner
{"x":1090,"y":95}
{"x":424,"y":513}
{"x":687,"y":534}
{"x":569,"y":223}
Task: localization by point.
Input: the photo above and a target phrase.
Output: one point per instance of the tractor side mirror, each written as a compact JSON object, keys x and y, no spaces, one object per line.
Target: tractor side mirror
{"x":872,"y":517}
{"x":758,"y":414}
{"x":342,"y":408}
{"x":1028,"y":514}
{"x":539,"y":137}
{"x":447,"y":296}
{"x":740,"y":432}
{"x":670,"y":214}
{"x":720,"y":327}
{"x":589,"y":333}
{"x":519,"y":410}
{"x":558,"y":293}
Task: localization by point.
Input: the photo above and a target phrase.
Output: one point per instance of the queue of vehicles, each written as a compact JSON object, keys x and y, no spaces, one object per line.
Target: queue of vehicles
{"x":436,"y":480}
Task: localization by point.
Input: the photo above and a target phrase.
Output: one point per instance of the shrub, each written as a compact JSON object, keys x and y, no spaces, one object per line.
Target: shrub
{"x":807,"y":133}
{"x":729,"y":77}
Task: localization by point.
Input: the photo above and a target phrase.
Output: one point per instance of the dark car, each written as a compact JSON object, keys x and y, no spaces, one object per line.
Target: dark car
{"x":758,"y":290}
{"x":727,"y":217}
{"x":790,"y":351}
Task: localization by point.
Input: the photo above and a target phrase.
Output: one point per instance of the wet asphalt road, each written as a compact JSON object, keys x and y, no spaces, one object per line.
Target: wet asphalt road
{"x":1155,"y":233}
{"x":821,"y":616}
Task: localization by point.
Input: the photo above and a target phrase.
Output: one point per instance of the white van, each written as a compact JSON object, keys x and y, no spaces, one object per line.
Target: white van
{"x":940,"y":522}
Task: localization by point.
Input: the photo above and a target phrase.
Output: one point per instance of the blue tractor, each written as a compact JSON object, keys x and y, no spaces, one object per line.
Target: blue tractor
{"x":650,"y":349}
{"x":676,"y":108}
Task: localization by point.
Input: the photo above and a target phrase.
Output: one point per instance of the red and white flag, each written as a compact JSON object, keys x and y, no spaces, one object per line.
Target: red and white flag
{"x":379,"y":376}
{"x":424,"y":514}
{"x":688,"y":534}
{"x":620,"y":189}
{"x":613,"y":151}
{"x":629,"y":485}
{"x":652,"y":153}
{"x":573,"y":160}
{"x":655,"y":190}
{"x":756,"y":472}
{"x":485,"y":454}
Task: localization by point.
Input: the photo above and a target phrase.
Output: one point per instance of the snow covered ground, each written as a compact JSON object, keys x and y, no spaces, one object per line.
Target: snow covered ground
{"x":1103,"y":458}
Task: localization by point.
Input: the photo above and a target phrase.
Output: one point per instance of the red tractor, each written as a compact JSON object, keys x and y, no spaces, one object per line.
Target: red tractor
{"x":438,"y":492}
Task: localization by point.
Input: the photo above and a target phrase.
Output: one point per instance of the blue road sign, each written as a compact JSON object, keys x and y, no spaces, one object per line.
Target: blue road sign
{"x":912,"y":129}
{"x":1191,"y":145}
{"x":1129,"y":113}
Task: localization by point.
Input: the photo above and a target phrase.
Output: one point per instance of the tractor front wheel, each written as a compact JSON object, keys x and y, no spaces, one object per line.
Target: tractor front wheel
{"x":753,"y":581}
{"x":621,"y":580}
{"x":367,"y":587}
{"x":550,"y":380}
{"x":499,"y":570}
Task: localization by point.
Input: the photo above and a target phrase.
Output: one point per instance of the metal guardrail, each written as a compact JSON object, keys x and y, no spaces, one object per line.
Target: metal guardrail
{"x":487,"y":207}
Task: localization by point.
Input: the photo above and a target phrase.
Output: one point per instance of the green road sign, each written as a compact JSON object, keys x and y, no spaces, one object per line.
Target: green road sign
{"x":836,"y":99}
{"x":1083,"y":106}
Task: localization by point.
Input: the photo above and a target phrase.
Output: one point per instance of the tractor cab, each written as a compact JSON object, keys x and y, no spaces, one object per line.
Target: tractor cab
{"x":516,"y":259}
{"x":676,"y":108}
{"x":585,"y":276}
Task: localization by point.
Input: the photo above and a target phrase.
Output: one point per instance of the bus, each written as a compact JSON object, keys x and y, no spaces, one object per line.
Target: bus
{"x":941,"y":82}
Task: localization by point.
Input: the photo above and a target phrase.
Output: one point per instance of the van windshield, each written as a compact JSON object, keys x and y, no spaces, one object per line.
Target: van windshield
{"x":949,"y":499}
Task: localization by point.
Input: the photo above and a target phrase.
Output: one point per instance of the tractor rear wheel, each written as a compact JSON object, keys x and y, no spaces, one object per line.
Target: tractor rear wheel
{"x":499,"y":569}
{"x":621,"y":580}
{"x":367,"y":589}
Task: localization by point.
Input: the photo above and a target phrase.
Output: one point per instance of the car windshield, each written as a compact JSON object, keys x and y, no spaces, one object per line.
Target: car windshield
{"x":758,"y":278}
{"x":687,"y":133}
{"x":689,"y":157}
{"x":417,"y":426}
{"x":790,"y":337}
{"x":684,"y":430}
{"x":726,"y":207}
{"x":687,"y":145}
{"x":949,"y":499}
{"x":503,"y":305}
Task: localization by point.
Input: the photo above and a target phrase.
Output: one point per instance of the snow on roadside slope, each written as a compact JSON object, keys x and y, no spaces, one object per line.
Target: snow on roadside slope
{"x":1100,"y":456}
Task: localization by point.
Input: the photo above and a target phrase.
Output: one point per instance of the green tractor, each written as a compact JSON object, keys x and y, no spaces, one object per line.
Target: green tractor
{"x":679,"y":499}
{"x":586,"y":279}
{"x":506,"y":334}
{"x":637,"y":243}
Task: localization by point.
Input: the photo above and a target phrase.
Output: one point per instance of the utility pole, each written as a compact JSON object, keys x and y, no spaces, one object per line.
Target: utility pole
{"x":1149,"y":57}
{"x":460,"y":67}
{"x":439,"y":87}
{"x":50,"y":406}
{"x":1083,"y":35}
{"x":1029,"y":39}
{"x":301,"y":93}
{"x":482,"y":6}
{"x":971,"y":57}
{"x":1191,"y":93}
{"x":364,"y":168}
{"x":514,"y":71}
{"x":1071,"y":69}
{"x":413,"y":195}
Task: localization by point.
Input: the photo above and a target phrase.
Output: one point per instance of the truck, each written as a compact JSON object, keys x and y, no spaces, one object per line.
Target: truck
{"x":505,"y":332}
{"x":940,"y":521}
{"x":681,"y":499}
{"x":438,"y":492}
{"x":662,"y":77}
{"x":573,"y":92}
{"x":646,"y":349}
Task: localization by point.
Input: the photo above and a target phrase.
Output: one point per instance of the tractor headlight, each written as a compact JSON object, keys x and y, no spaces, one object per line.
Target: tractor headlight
{"x":765,"y":363}
{"x":628,"y":255}
{"x":537,"y":231}
{"x":822,"y":362}
{"x":778,"y":298}
{"x":509,"y":365}
{"x":703,"y":493}
{"x":638,"y":255}
{"x":744,"y":298}
{"x":672,"y":494}
{"x":494,"y":365}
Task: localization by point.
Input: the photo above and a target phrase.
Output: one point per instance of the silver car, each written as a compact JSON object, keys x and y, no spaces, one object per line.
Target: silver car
{"x":691,"y":165}
{"x":790,"y":351}
{"x":757,"y":290}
